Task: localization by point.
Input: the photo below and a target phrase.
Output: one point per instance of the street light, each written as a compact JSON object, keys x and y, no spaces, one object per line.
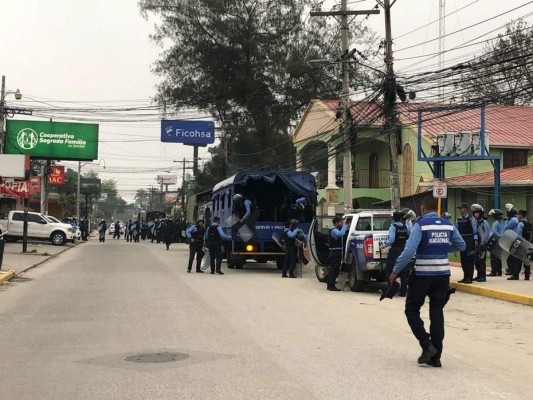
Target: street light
{"x":3,"y":94}
{"x":79,"y":183}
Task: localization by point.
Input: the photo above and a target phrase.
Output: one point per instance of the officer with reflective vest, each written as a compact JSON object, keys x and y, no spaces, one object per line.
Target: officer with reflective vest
{"x":432,"y":237}
{"x":467,"y":227}
{"x":398,"y":235}
{"x":497,"y":231}
{"x":483,"y":232}
{"x":214,"y":237}
{"x":290,"y":235}
{"x":511,"y":225}
{"x":195,"y":234}
{"x":523,"y":229}
{"x":336,"y":235}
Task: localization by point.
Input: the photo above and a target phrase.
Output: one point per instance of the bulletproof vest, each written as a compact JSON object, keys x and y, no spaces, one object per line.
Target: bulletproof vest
{"x":401,"y":235}
{"x":432,"y":252}
{"x":464,"y":226}
{"x":213,"y":237}
{"x":527,"y":230}
{"x":289,"y":242}
{"x":198,"y":236}
{"x":334,"y":243}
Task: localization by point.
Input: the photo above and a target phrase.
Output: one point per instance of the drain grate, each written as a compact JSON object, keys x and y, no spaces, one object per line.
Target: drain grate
{"x":157,"y":357}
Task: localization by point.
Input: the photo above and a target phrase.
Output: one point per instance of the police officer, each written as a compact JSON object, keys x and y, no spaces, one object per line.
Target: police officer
{"x":242,"y":207}
{"x":214,"y":237}
{"x":497,"y":231}
{"x":523,"y":229}
{"x":398,"y":234}
{"x":483,"y":233}
{"x":430,"y":240}
{"x":511,"y":225}
{"x":290,"y":233}
{"x":467,"y":227}
{"x":195,"y":234}
{"x":336,"y":235}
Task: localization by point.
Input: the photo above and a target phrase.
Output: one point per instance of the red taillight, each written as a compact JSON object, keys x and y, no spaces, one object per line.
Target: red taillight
{"x":369,"y":247}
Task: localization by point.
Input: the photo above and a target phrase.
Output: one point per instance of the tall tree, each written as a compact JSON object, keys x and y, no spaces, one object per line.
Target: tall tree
{"x":504,"y":74}
{"x":247,"y":63}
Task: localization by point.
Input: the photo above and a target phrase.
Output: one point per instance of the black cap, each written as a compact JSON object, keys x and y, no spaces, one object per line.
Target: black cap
{"x":523,"y":213}
{"x":391,"y":290}
{"x":337,"y":219}
{"x":463,"y":205}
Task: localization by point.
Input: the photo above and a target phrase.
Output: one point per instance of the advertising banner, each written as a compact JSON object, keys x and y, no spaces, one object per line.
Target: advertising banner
{"x":57,"y":175}
{"x":13,"y":165}
{"x":34,"y":185}
{"x":171,"y":198}
{"x":52,"y":140}
{"x":195,"y":132}
{"x":90,"y":185}
{"x":167,"y":179}
{"x":15,"y":188}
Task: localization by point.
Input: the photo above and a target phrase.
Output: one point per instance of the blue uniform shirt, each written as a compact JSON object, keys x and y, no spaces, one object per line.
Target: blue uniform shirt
{"x":511,"y":224}
{"x":248,"y":206}
{"x":497,"y":229}
{"x":338,"y":233}
{"x":190,"y":231}
{"x":221,"y":232}
{"x":486,"y":232}
{"x":520,"y":227}
{"x":456,"y":243}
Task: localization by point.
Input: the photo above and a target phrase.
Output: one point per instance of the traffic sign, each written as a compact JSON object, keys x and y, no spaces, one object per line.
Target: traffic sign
{"x":440,"y":188}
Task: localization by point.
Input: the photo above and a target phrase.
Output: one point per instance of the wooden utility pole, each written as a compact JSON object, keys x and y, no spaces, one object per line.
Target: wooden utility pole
{"x":390,"y":108}
{"x":345,"y":95}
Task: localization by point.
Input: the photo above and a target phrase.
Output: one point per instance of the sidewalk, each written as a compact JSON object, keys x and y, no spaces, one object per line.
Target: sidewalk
{"x":520,"y":291}
{"x":15,"y":261}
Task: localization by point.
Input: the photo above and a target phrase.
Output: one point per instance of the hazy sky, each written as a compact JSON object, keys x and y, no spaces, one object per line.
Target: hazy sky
{"x":87,"y":54}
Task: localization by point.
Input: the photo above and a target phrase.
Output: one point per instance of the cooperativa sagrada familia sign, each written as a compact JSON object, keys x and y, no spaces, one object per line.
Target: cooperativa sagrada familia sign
{"x":53,"y":140}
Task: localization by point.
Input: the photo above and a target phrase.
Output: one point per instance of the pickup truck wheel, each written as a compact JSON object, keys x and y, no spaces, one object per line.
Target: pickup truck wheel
{"x":239,"y":265}
{"x":321,"y":273}
{"x":356,"y":283}
{"x":231,"y":264}
{"x":58,"y":238}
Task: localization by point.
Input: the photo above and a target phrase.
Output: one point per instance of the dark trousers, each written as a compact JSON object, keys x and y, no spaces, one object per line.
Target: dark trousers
{"x":129,"y":236}
{"x":436,"y":288}
{"x":195,"y":250}
{"x":514,"y":265}
{"x":394,"y":253}
{"x":481,"y":266}
{"x":335,"y":260}
{"x":495,"y":265}
{"x":215,"y":257}
{"x":518,"y":269}
{"x":84,"y":234}
{"x":290,"y":261}
{"x":467,"y":263}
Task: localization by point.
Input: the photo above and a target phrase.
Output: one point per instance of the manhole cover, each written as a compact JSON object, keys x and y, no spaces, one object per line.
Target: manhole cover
{"x":157,"y":357}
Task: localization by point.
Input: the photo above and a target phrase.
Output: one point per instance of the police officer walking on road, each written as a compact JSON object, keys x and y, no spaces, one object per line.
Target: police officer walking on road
{"x":497,"y":231}
{"x":336,"y":235}
{"x":195,"y":234}
{"x":483,"y":233}
{"x":398,"y":235}
{"x":430,"y":240}
{"x":467,"y":227}
{"x":214,"y":237}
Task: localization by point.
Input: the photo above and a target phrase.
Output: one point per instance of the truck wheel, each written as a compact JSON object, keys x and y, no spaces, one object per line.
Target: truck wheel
{"x":58,"y":238}
{"x":239,"y":264}
{"x":355,"y":279}
{"x":321,"y":273}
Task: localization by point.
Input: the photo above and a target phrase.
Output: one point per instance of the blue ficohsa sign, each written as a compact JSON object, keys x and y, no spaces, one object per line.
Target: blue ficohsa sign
{"x":188,"y":132}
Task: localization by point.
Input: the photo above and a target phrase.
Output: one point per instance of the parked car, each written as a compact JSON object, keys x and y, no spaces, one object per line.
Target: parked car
{"x":39,"y":227}
{"x":362,"y":256}
{"x":55,"y":220}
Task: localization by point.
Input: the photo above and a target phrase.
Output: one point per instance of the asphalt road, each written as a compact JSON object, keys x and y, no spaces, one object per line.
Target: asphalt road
{"x":67,"y":327}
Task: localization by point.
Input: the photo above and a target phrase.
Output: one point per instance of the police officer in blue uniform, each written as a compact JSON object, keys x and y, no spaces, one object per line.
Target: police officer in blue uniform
{"x":290,"y":234}
{"x":214,"y":237}
{"x":524,"y":229}
{"x":432,"y":237}
{"x":497,"y":231}
{"x":398,"y":235}
{"x":483,"y":233}
{"x":512,"y":225}
{"x":336,"y":235}
{"x":467,"y":227}
{"x":195,"y":234}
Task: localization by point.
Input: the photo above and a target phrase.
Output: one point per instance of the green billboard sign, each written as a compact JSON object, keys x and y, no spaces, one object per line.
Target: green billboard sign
{"x":52,"y":140}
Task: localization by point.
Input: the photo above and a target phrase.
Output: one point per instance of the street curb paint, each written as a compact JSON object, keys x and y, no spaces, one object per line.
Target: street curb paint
{"x":6,"y":276}
{"x":494,"y":293}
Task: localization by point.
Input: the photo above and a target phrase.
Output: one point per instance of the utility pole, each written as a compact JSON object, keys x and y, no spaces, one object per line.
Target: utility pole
{"x":390,"y":108}
{"x":345,"y":96}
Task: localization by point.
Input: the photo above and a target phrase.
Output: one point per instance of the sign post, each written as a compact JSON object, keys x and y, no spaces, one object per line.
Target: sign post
{"x":440,"y":191}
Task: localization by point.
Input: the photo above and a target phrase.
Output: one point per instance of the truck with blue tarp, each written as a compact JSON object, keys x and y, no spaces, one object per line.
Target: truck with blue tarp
{"x":272,"y":198}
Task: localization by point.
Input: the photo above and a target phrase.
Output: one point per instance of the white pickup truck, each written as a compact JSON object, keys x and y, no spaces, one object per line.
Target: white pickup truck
{"x":39,"y":227}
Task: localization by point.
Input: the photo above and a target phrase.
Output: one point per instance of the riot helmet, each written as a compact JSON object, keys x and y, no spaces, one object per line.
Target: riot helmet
{"x":496,"y":213}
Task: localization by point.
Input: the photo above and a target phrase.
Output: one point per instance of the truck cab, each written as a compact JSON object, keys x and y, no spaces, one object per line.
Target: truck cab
{"x":361,"y":256}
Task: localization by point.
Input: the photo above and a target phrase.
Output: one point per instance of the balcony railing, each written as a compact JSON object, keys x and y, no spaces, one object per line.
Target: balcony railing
{"x":362,"y":178}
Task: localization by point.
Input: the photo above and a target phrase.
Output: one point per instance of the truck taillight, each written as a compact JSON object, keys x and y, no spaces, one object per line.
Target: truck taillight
{"x":369,"y":247}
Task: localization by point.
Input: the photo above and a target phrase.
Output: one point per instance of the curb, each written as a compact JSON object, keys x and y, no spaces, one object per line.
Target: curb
{"x":494,"y":293}
{"x":6,"y":276}
{"x":47,"y":259}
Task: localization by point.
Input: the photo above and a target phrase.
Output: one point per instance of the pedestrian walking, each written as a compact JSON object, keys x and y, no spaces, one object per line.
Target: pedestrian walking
{"x":483,"y":234}
{"x":430,"y":240}
{"x":102,"y":228}
{"x":398,"y":235}
{"x":497,"y":231}
{"x":336,"y":235}
{"x":195,"y":234}
{"x":116,"y":233}
{"x":467,"y":227}
{"x":168,"y":233}
{"x":215,"y":235}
